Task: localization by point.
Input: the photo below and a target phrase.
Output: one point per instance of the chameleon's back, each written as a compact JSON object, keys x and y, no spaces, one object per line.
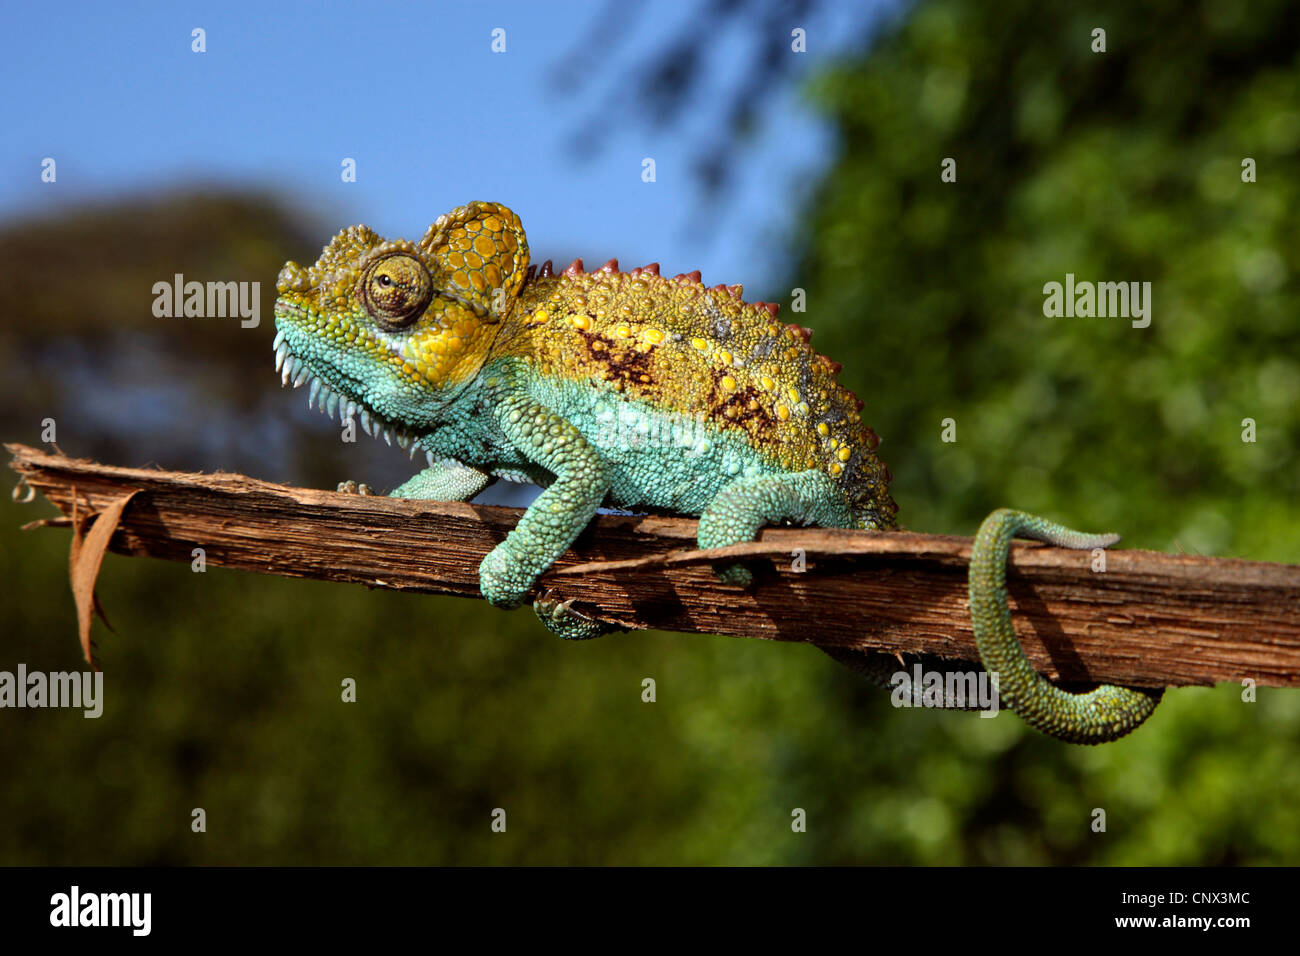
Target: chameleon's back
{"x":671,"y":345}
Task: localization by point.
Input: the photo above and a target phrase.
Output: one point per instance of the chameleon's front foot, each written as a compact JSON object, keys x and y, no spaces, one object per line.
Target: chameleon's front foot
{"x":564,"y":622}
{"x":353,"y":488}
{"x":1097,"y":716}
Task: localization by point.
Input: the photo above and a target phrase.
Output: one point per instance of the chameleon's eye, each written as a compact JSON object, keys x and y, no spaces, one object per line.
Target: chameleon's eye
{"x":396,"y":290}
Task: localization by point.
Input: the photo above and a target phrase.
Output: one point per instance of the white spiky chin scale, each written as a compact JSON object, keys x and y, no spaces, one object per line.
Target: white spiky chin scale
{"x":295,"y":371}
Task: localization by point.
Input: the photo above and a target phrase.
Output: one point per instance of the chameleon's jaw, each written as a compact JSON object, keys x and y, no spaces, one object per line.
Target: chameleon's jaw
{"x":328,"y":393}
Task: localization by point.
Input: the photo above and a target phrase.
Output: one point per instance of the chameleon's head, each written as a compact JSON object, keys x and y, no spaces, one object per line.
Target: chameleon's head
{"x":399,"y":327}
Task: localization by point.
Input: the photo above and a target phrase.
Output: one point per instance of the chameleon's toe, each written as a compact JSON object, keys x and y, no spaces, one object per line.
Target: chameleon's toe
{"x":500,"y":581}
{"x":736,"y":574}
{"x":353,"y":488}
{"x":560,"y":619}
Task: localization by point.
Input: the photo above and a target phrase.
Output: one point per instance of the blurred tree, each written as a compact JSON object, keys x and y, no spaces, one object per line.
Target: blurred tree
{"x":1119,"y":166}
{"x":672,"y":81}
{"x":1116,"y":166}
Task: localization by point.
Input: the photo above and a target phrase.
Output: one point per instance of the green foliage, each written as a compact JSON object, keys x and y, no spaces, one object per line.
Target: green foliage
{"x":1114,"y":167}
{"x":1122,"y":166}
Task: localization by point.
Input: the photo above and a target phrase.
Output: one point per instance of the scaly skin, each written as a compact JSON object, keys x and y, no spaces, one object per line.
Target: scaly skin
{"x":1100,"y":715}
{"x":620,"y":388}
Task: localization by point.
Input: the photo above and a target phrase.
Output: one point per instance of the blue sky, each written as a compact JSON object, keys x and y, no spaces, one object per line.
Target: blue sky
{"x":414,"y":93}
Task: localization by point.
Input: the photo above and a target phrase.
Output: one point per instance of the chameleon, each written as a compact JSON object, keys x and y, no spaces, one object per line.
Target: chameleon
{"x":633,"y":390}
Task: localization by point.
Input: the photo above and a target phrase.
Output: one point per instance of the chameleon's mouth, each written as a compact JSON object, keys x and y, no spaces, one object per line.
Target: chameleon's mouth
{"x":296,"y":371}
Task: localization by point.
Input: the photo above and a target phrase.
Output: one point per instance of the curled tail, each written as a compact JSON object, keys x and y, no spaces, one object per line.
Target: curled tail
{"x":1104,"y":714}
{"x":1096,"y":716}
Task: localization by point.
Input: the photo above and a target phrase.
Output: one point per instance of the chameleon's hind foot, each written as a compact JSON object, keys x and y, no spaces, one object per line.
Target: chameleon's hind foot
{"x":748,"y":503}
{"x":561,"y":620}
{"x":352,"y":488}
{"x":1097,"y":716}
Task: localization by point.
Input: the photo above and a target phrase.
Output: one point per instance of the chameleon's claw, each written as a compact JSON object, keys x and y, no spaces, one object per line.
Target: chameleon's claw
{"x":566,"y":623}
{"x":352,"y":488}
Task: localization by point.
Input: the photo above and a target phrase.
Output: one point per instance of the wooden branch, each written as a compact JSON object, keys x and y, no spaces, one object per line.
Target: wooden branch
{"x":1150,"y":620}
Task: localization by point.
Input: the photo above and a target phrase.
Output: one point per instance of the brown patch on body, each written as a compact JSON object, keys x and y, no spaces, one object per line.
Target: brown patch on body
{"x":740,"y":408}
{"x":620,"y":362}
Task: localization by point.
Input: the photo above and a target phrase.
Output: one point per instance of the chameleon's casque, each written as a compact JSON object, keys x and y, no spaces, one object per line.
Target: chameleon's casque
{"x":608,"y":387}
